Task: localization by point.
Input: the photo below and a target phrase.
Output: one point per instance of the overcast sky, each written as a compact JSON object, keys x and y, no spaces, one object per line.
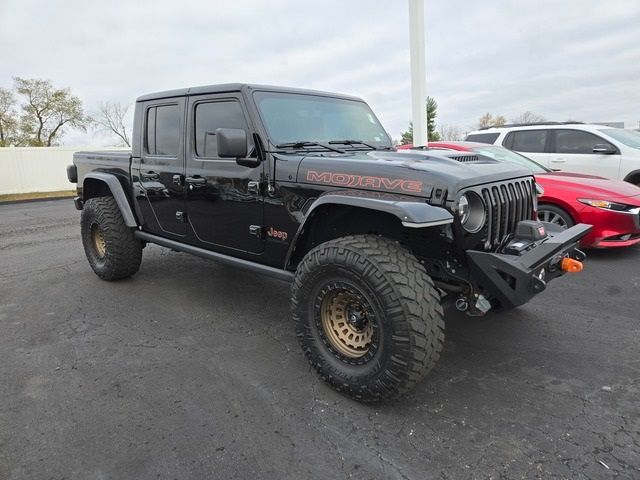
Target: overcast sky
{"x":577,"y":59}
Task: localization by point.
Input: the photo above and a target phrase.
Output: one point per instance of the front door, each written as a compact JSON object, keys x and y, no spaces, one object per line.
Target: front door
{"x":161,"y":169}
{"x":224,"y":202}
{"x":572,"y":151}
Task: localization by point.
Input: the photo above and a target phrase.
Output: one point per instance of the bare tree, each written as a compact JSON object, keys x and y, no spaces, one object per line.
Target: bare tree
{"x":111,"y":117}
{"x":452,"y":133}
{"x":529,"y":117}
{"x":48,"y":111}
{"x":488,"y":120}
{"x":499,"y":121}
{"x":8,"y":118}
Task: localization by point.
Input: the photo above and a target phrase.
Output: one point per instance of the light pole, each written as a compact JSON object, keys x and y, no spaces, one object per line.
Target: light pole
{"x":418,"y":72}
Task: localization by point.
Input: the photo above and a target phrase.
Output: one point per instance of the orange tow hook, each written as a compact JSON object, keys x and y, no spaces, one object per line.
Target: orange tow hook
{"x":570,"y":265}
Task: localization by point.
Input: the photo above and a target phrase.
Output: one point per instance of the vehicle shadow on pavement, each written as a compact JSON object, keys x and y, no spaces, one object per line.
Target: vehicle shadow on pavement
{"x":248,"y":302}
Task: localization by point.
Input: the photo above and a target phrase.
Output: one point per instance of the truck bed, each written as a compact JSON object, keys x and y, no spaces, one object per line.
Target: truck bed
{"x":117,"y":162}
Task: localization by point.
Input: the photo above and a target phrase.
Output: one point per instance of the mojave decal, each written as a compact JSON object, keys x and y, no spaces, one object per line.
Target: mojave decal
{"x":364,"y":181}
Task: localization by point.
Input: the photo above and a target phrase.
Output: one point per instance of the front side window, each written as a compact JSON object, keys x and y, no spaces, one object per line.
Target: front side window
{"x":628,"y":137}
{"x":213,"y":115}
{"x":291,"y":117}
{"x":532,"y":141}
{"x":163,"y":130}
{"x":576,"y":141}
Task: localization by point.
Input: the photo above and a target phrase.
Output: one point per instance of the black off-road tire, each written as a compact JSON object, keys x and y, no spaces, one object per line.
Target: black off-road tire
{"x":111,"y":247}
{"x":401,"y":300}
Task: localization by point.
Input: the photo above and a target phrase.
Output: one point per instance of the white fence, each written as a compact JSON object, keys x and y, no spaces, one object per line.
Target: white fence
{"x":37,"y":169}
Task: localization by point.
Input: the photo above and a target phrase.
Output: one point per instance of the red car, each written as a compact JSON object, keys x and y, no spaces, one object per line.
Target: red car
{"x":612,"y":207}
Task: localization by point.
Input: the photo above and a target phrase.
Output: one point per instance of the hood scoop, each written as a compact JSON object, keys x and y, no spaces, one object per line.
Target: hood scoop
{"x":471,"y":159}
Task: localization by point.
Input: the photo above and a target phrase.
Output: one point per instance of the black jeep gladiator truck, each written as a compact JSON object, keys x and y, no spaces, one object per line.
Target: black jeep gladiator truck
{"x":307,"y":187}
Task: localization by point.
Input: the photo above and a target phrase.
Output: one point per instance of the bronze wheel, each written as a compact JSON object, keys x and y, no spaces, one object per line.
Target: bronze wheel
{"x":97,"y":237}
{"x":110,"y":245}
{"x":367,"y":316}
{"x":346,"y":320}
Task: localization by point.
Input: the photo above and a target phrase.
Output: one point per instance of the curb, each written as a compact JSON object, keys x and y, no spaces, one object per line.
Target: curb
{"x":35,"y":200}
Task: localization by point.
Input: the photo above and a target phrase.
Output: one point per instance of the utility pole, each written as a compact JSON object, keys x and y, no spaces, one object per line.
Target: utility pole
{"x":418,"y":72}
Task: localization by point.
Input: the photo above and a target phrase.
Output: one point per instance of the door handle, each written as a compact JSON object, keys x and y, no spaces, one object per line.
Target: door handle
{"x":253,"y":187}
{"x":196,"y":180}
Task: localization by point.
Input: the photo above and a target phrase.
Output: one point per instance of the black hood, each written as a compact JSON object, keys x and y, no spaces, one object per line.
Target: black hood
{"x":411,"y":173}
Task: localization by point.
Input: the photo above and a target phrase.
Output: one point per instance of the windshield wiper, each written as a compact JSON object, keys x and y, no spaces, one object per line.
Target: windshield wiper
{"x":355,"y":142}
{"x":303,"y":144}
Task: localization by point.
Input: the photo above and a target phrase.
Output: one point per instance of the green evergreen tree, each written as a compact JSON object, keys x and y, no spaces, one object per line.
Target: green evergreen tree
{"x":432,"y":134}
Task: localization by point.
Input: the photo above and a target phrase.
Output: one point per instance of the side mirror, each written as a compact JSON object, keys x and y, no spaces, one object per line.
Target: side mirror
{"x":232,"y":143}
{"x":604,"y":149}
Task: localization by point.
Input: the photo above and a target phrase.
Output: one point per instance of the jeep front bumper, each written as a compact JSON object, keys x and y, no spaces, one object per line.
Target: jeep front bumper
{"x":514,"y":279}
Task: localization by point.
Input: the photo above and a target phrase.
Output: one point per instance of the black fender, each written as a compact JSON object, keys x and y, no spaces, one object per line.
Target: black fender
{"x":411,"y":211}
{"x":118,"y":193}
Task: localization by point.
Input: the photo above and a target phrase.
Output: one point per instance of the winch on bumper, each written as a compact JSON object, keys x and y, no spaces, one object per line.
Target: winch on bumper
{"x":534,"y":258}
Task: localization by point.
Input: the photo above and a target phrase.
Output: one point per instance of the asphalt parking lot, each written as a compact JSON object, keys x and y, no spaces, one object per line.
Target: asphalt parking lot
{"x":191,"y":370}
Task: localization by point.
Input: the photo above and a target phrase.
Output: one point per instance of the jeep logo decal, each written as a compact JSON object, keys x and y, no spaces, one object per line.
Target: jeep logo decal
{"x":279,"y":234}
{"x":364,"y":181}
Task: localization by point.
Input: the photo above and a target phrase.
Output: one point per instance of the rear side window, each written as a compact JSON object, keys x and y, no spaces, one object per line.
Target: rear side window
{"x":576,"y":141}
{"x":532,"y":141}
{"x":163,"y":130}
{"x":489,"y":138}
{"x":211,"y":116}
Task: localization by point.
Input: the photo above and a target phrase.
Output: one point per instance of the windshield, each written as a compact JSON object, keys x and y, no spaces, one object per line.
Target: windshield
{"x":504,"y":155}
{"x":628,"y":137}
{"x":294,"y":118}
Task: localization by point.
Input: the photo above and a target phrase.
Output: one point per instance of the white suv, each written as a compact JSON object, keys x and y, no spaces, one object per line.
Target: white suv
{"x":575,"y":147}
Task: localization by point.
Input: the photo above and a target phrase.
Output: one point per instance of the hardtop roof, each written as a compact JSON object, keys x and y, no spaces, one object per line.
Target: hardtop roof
{"x":236,"y":87}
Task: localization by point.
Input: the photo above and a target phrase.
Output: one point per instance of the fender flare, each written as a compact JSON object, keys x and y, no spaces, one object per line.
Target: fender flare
{"x":412,"y":212}
{"x":118,"y":194}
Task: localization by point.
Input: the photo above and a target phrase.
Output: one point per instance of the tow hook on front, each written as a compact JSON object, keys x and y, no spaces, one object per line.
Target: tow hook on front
{"x":573,"y":264}
{"x":475,"y":305}
{"x":568,"y":263}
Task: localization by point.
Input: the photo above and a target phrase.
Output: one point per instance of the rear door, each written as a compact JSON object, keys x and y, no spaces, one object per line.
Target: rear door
{"x":572,"y":151}
{"x":224,"y":202}
{"x":162,"y":165}
{"x":531,"y":143}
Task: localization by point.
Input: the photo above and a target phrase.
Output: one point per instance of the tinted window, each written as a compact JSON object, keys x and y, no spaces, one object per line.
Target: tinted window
{"x":482,"y":137}
{"x":150,"y":138}
{"x":167,"y":130}
{"x":163,"y":130}
{"x":576,"y":141}
{"x":527,"y":141}
{"x":211,"y":116}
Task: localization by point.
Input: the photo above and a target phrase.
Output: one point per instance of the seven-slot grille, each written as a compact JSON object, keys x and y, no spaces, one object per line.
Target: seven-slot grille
{"x":506,"y":204}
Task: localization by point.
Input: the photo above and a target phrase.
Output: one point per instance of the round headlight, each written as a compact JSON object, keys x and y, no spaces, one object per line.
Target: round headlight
{"x":463,"y":209}
{"x":471,"y":211}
